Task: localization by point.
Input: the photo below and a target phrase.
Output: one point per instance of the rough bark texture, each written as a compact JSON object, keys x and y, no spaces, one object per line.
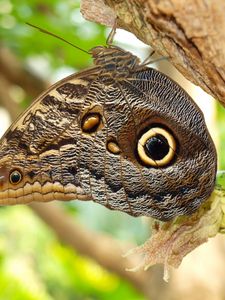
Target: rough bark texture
{"x":191,"y":33}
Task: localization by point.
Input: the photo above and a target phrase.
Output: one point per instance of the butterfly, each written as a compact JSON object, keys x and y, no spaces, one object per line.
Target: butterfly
{"x":119,"y":133}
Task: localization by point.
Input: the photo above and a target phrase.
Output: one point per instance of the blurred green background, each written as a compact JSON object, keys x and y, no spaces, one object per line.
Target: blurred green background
{"x":34,"y":265}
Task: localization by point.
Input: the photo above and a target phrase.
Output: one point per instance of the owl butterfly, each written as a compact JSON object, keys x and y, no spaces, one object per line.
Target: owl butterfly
{"x":119,"y":133}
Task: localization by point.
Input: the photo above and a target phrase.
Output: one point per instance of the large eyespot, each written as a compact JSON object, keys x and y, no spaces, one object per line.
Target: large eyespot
{"x":15,"y":177}
{"x":156,"y":147}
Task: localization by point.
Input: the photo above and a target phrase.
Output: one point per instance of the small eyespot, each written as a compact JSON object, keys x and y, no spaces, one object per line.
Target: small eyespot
{"x":15,"y":177}
{"x":113,"y":147}
{"x":156,"y":147}
{"x":91,"y":122}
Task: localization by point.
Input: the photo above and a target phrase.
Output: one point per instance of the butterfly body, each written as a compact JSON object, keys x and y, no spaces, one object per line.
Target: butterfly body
{"x":121,"y":134}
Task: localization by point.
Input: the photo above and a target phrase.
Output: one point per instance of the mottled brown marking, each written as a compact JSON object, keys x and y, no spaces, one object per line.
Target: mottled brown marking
{"x":72,"y":90}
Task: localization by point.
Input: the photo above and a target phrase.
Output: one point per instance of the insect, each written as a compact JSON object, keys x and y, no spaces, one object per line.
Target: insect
{"x":119,"y":133}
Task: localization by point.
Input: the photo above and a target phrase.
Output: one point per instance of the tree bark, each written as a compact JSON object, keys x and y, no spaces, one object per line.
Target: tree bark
{"x":191,"y":33}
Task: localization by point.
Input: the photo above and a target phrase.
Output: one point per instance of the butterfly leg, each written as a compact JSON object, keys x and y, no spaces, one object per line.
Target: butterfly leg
{"x":112,"y":33}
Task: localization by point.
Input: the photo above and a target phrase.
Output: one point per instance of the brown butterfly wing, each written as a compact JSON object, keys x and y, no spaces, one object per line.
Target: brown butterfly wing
{"x":80,"y":140}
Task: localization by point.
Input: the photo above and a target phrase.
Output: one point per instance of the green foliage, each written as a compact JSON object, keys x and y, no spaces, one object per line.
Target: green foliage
{"x":60,"y":17}
{"x":35,"y":266}
{"x":221,"y":135}
{"x":220,"y":181}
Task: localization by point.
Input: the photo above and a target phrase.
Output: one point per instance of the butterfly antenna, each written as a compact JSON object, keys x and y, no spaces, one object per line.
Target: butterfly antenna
{"x":149,"y":60}
{"x":56,"y":36}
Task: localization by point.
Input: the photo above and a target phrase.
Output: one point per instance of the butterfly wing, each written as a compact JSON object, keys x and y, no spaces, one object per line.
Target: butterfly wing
{"x":41,"y":144}
{"x":85,"y":138}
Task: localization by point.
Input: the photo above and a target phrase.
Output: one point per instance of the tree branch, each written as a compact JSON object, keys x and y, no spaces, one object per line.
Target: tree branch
{"x":191,"y":33}
{"x":16,"y":74}
{"x":105,"y":250}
